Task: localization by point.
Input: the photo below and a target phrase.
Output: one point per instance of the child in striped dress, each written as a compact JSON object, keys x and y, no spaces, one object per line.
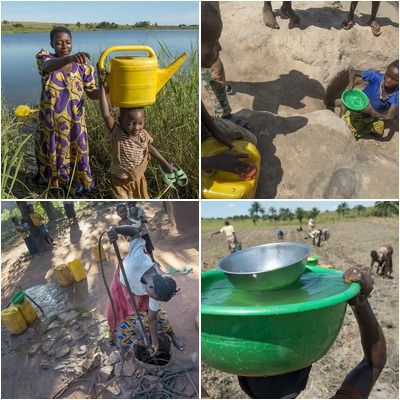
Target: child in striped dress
{"x":131,"y":149}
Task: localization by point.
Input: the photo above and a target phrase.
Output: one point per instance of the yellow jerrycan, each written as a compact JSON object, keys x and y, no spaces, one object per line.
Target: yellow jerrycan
{"x":227,"y":185}
{"x":13,"y":320}
{"x":24,"y":305}
{"x":134,"y":81}
{"x":77,"y":270}
{"x":96,"y":255}
{"x":63,"y":275}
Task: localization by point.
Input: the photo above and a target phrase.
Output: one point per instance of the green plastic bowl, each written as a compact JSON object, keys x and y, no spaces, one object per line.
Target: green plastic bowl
{"x":355,"y":100}
{"x":270,"y":340}
{"x":18,"y":298}
{"x":312,"y":260}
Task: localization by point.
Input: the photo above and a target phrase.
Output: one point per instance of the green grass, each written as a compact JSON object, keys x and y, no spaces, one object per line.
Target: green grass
{"x":172,"y":121}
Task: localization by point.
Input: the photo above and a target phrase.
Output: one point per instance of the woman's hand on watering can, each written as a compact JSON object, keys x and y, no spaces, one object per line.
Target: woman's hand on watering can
{"x":365,"y":281}
{"x":112,"y":235}
{"x":80,"y":58}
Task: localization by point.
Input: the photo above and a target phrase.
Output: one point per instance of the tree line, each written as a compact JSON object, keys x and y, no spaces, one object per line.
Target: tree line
{"x":257,"y":211}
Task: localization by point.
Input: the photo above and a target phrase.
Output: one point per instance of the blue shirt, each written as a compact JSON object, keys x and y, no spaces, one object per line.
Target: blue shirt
{"x":373,"y":91}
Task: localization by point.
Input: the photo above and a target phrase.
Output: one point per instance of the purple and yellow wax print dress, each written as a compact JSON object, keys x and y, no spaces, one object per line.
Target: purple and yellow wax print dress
{"x":61,"y":143}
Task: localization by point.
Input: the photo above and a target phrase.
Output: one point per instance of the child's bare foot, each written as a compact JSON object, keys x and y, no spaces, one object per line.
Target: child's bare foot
{"x":177,"y":341}
{"x":375,"y":27}
{"x":287,"y":11}
{"x":347,"y":23}
{"x":269,"y":17}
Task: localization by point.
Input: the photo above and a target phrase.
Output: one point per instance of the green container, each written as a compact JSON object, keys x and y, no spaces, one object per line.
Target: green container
{"x":355,"y":100}
{"x":270,"y":340}
{"x":312,"y":260}
{"x":18,"y":298}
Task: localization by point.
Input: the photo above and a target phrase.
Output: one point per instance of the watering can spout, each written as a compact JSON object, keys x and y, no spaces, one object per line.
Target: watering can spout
{"x":165,"y":74}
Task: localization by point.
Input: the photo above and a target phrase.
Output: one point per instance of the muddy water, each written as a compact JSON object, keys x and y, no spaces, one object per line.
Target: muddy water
{"x":309,"y":287}
{"x":52,"y":298}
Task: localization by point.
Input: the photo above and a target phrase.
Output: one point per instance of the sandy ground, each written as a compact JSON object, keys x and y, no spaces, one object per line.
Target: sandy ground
{"x":349,"y":245}
{"x":21,"y":377}
{"x":282,"y":79}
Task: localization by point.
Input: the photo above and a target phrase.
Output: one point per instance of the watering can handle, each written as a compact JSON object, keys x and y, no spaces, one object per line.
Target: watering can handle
{"x":106,"y":52}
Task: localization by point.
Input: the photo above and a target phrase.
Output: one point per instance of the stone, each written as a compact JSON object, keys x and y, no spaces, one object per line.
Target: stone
{"x":118,"y":369}
{"x":33,"y":349}
{"x":65,"y":339}
{"x":62,"y":351}
{"x":45,"y":364}
{"x":82,"y":350}
{"x":113,"y":358}
{"x":60,"y":366}
{"x":54,"y":324}
{"x":96,"y":360}
{"x":105,"y":372}
{"x":85,"y":315}
{"x":70,"y":315}
{"x":48,"y":345}
{"x":114,"y":389}
{"x":128,"y":368}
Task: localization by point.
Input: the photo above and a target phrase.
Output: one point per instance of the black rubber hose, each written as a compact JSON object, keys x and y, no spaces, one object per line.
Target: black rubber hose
{"x":107,"y":288}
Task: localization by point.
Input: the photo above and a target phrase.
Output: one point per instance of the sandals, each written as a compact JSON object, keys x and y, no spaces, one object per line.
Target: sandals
{"x":375,"y":28}
{"x":177,"y":176}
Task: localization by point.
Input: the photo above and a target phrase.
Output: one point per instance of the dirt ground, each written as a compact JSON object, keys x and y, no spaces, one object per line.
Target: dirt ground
{"x":349,"y":245}
{"x":23,"y":375}
{"x":284,"y":84}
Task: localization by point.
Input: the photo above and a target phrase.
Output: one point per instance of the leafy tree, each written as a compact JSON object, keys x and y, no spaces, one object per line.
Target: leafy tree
{"x":256,"y":211}
{"x":284,"y":213}
{"x":5,"y":22}
{"x":314,"y":212}
{"x":78,"y":24}
{"x":360,"y":209}
{"x":386,"y":208}
{"x":272,"y":213}
{"x":300,"y":214}
{"x":342,"y":209}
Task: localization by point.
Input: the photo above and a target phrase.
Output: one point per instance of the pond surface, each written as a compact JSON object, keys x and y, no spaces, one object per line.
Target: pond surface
{"x":20,"y":79}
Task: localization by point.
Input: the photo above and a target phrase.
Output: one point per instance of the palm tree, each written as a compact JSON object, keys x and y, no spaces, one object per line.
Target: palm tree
{"x":271,"y":213}
{"x":386,"y":208}
{"x":314,"y":212}
{"x":342,"y":209}
{"x":300,"y":214}
{"x":256,"y":210}
{"x":360,"y":209}
{"x":284,"y":213}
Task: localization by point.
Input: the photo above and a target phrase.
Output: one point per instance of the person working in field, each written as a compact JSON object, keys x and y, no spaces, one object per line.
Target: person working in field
{"x":149,"y":287}
{"x":39,"y":222}
{"x":221,"y":129}
{"x":61,"y":142}
{"x":131,"y":148}
{"x":383,"y":94}
{"x":231,"y":238}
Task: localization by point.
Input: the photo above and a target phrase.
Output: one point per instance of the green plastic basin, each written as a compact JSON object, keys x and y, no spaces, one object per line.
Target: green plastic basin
{"x":355,"y":100}
{"x":270,"y":340}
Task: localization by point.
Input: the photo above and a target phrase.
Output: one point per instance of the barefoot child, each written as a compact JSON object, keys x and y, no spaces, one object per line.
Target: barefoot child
{"x":231,"y":238}
{"x":383,"y":94}
{"x":131,"y":149}
{"x":38,"y":222}
{"x":61,"y":143}
{"x":149,"y":288}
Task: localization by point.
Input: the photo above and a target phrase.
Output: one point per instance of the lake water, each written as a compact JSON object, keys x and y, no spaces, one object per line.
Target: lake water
{"x":20,"y":79}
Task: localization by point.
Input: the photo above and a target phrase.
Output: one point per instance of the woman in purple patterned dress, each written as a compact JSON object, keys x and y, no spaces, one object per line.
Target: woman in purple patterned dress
{"x":61,"y":144}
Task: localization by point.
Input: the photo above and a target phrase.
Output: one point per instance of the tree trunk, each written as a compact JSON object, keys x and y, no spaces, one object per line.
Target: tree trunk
{"x":36,"y":236}
{"x":51,"y":211}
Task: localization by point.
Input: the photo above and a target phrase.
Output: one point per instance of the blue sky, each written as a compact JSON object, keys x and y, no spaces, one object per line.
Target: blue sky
{"x":120,"y":12}
{"x":223,"y":209}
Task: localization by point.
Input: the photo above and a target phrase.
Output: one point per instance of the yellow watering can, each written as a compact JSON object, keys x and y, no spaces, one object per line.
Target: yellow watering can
{"x":135,"y":81}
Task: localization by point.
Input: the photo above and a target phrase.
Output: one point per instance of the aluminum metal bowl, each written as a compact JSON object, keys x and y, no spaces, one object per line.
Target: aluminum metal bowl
{"x":266,"y":267}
